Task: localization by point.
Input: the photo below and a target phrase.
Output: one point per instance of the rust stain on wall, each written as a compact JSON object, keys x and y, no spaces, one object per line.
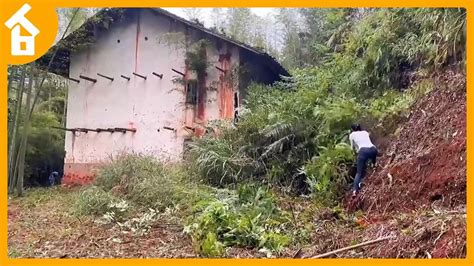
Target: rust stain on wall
{"x":201,"y":105}
{"x":225,"y":87}
{"x":137,"y":41}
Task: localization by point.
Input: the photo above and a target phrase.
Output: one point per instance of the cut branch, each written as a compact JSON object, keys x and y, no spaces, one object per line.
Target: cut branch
{"x":371,"y":242}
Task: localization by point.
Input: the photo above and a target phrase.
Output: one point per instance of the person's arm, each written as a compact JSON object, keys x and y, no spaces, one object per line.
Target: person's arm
{"x":351,"y":140}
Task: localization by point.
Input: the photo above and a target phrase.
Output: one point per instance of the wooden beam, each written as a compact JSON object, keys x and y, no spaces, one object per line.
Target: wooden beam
{"x":126,"y":129}
{"x":104,"y":76}
{"x":169,"y":128}
{"x":75,"y":80}
{"x":138,"y":75}
{"x":158,"y":75}
{"x":86,"y":129}
{"x":120,"y":130}
{"x":220,"y":69}
{"x":190,"y":128}
{"x":88,"y":78}
{"x":65,"y":129}
{"x":176,"y":71}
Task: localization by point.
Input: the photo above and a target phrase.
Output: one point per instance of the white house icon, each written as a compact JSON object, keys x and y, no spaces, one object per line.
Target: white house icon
{"x":22,"y":45}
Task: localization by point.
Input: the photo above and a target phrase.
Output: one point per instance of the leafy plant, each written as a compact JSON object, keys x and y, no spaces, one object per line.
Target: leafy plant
{"x":327,"y":172}
{"x":146,"y":182}
{"x":248,"y":219}
{"x":94,"y":200}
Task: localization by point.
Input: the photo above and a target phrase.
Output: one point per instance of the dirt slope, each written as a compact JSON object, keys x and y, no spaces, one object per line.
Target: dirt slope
{"x":425,"y":163}
{"x":417,"y":193}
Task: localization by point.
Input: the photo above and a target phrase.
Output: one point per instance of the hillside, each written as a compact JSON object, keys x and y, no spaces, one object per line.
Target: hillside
{"x":425,"y":162}
{"x":418,"y":191}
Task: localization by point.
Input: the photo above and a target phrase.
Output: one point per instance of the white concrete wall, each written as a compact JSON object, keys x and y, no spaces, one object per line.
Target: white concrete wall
{"x":146,"y":105}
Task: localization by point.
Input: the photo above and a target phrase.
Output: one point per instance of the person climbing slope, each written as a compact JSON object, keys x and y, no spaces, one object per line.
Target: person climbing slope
{"x":365,"y":149}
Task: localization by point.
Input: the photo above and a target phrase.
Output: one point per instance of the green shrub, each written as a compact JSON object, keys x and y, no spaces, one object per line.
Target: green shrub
{"x":249,"y":219}
{"x":94,"y":200}
{"x":327,"y":172}
{"x":125,"y":169}
{"x":217,"y":162}
{"x":146,"y":182}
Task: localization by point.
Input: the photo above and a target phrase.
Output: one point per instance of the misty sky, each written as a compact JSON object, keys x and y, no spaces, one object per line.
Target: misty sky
{"x":260,"y":11}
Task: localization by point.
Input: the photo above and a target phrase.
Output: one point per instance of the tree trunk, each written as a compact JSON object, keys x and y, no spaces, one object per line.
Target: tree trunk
{"x":49,"y":98}
{"x":19,"y":168}
{"x":24,"y":139}
{"x":13,"y":146}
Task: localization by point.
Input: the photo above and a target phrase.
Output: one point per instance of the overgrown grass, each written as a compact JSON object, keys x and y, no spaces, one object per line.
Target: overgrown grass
{"x":140,"y":180}
{"x":94,"y":200}
{"x":38,"y":196}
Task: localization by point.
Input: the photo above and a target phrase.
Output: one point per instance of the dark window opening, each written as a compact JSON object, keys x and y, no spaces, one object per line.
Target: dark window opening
{"x":191,"y":91}
{"x":236,"y":107}
{"x":146,"y":38}
{"x":118,"y":41}
{"x":236,"y":100}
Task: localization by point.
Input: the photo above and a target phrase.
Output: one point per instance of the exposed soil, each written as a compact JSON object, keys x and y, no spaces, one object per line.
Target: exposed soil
{"x":422,"y":171}
{"x":426,"y":160}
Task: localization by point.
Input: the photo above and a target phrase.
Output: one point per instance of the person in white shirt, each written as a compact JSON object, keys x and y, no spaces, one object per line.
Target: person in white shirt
{"x":365,"y":149}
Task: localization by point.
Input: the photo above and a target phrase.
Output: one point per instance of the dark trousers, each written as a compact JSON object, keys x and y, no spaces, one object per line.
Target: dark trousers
{"x":363,"y":156}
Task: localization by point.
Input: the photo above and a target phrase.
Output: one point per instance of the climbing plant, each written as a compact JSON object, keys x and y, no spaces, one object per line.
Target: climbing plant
{"x":197,"y":59}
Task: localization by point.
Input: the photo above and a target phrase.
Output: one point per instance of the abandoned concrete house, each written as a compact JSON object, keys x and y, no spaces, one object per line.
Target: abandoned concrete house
{"x":144,"y":80}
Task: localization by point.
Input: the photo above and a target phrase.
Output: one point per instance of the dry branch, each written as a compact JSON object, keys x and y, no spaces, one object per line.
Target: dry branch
{"x":371,"y":242}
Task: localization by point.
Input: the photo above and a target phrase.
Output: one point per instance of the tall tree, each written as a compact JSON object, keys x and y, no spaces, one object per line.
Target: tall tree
{"x":324,"y":30}
{"x":13,"y":131}
{"x":20,"y":160}
{"x":194,"y":14}
{"x":73,"y":18}
{"x":17,"y":159}
{"x":238,"y":22}
{"x":290,"y":28}
{"x":217,"y":18}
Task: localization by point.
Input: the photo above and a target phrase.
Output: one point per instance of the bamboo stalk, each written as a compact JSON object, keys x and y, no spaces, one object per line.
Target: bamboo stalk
{"x":12,"y":155}
{"x":371,"y":242}
{"x":24,"y":140}
{"x":18,"y":172}
{"x":65,"y":129}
